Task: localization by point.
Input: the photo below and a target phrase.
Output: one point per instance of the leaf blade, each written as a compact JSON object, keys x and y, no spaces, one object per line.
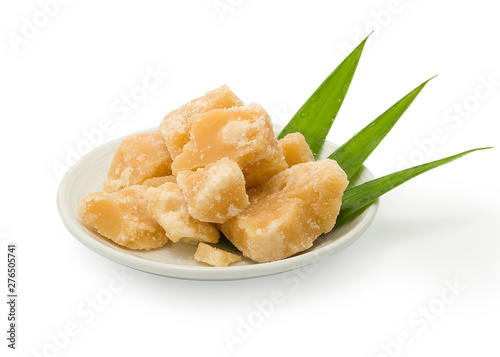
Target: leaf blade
{"x":358,"y":197}
{"x":316,"y":116}
{"x":353,"y":153}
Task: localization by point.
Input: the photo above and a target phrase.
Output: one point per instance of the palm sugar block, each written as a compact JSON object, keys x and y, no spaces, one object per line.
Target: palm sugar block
{"x":158,"y":181}
{"x":214,"y":193}
{"x":176,"y":125}
{"x":168,"y":206}
{"x":289,"y":211}
{"x":122,"y":217}
{"x":138,"y":158}
{"x":295,"y":148}
{"x":214,"y":256}
{"x":242,"y":134}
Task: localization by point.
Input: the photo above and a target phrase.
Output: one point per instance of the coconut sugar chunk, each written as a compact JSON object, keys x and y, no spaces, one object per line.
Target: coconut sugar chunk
{"x":123,"y":218}
{"x":260,"y":171}
{"x":167,"y":205}
{"x":158,"y":181}
{"x":214,"y":256}
{"x":242,"y":134}
{"x":214,"y":193}
{"x":176,"y":125}
{"x":288,"y":212}
{"x":295,"y":148}
{"x":138,"y":158}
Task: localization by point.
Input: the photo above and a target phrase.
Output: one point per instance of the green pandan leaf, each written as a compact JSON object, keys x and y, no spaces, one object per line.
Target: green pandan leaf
{"x":358,"y":197}
{"x":356,"y":150}
{"x":315,"y":118}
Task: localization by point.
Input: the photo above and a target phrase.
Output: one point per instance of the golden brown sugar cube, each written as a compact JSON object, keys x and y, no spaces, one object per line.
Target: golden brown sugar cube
{"x":214,"y":193}
{"x":260,"y":171}
{"x":138,"y":158}
{"x":167,"y":205}
{"x":295,"y":148}
{"x":158,"y":181}
{"x":176,"y":125}
{"x":242,"y":134}
{"x":288,"y":212}
{"x":214,"y":256}
{"x":122,"y":217}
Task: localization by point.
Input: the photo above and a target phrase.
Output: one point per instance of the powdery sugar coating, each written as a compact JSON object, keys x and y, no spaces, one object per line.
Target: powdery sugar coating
{"x":295,"y":148}
{"x":122,"y":217}
{"x":214,"y":256}
{"x":214,"y":193}
{"x":176,"y":125}
{"x":138,"y":158}
{"x":167,"y":205}
{"x":242,"y":134}
{"x":288,"y":212}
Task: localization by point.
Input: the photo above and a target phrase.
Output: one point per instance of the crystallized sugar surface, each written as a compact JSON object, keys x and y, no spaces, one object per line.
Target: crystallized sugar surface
{"x":138,"y":158}
{"x":157,"y":181}
{"x":176,"y":125}
{"x":214,"y":256}
{"x":168,"y":206}
{"x":289,"y":211}
{"x":122,"y":217}
{"x":242,"y":134}
{"x":295,"y":148}
{"x":214,"y":193}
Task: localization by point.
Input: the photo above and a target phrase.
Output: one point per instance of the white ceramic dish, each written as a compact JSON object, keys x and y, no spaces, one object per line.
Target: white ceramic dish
{"x":176,"y":260}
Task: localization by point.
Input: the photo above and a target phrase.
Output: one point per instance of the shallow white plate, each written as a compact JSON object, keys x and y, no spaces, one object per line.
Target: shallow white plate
{"x":176,"y":259}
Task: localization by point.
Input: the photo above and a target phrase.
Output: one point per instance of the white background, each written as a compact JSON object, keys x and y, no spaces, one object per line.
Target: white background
{"x":63,"y":78}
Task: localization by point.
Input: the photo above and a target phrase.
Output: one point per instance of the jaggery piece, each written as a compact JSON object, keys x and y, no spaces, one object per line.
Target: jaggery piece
{"x":295,"y":148}
{"x":138,"y":158}
{"x":214,"y":193}
{"x":260,"y":171}
{"x":122,"y":217}
{"x":288,"y":212}
{"x":214,"y":256}
{"x":242,"y":134}
{"x":176,"y":125}
{"x":157,"y":181}
{"x":167,"y":205}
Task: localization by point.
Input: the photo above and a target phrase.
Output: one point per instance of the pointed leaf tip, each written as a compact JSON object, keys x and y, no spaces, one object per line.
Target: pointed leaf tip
{"x":316,"y":116}
{"x":353,"y":153}
{"x":356,"y":198}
